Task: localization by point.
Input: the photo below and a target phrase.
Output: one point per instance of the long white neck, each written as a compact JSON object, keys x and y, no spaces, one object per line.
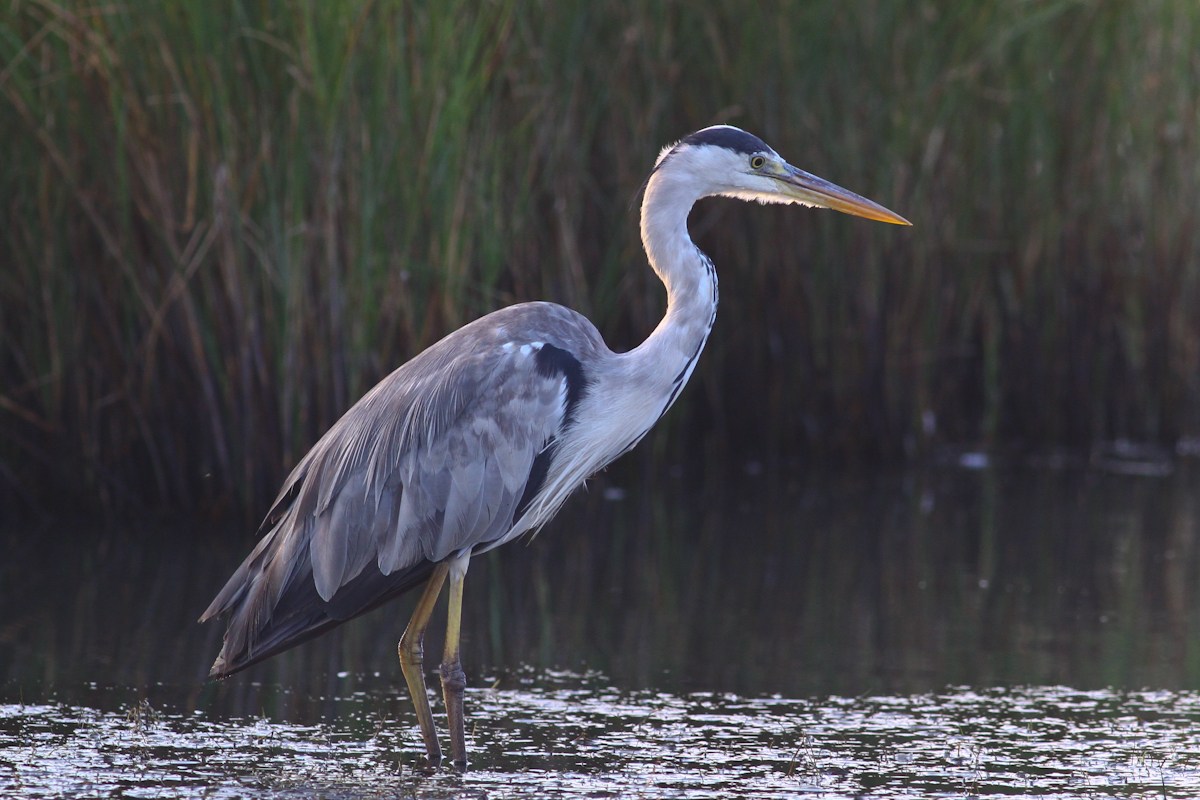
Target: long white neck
{"x":628,"y":392}
{"x":687,"y":273}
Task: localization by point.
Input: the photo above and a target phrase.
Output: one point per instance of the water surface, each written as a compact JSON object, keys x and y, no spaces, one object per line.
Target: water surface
{"x":957,"y":632}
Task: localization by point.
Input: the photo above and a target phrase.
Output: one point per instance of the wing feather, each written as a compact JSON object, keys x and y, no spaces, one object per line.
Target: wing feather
{"x":462,"y":504}
{"x":430,"y":462}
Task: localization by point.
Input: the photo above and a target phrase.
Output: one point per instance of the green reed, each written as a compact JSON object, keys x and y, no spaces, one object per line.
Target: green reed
{"x":224,"y":221}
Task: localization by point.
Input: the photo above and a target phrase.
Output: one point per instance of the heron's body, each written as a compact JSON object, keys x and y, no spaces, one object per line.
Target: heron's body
{"x":484,"y":435}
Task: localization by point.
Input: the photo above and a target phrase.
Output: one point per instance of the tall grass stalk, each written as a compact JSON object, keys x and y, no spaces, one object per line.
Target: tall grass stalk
{"x":223,"y":221}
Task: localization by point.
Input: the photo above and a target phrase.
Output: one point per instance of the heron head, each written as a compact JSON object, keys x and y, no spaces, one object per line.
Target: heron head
{"x":727,"y":161}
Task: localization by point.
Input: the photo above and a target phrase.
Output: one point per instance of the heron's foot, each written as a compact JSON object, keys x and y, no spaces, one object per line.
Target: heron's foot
{"x":430,"y":767}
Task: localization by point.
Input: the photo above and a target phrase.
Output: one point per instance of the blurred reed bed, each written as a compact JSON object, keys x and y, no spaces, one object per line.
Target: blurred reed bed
{"x":223,"y":221}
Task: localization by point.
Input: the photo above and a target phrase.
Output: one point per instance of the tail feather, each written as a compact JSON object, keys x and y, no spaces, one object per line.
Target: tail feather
{"x":272,"y":599}
{"x":301,"y":615}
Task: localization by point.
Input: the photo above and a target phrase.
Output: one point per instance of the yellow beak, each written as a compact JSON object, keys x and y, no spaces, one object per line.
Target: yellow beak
{"x":819,"y":192}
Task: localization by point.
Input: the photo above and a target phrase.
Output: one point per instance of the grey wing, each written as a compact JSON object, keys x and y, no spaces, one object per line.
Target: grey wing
{"x":434,"y":460}
{"x":442,"y":482}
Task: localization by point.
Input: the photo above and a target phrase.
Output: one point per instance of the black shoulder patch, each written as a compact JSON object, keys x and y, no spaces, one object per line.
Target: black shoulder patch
{"x":730,"y":138}
{"x":553,"y":361}
{"x":536,"y":479}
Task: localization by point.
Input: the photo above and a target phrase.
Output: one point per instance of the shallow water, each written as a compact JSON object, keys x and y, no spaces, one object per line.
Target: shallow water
{"x":570,"y":736}
{"x":960,"y":633}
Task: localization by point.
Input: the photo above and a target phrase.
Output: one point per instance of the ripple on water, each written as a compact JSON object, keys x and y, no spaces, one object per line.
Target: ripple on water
{"x":577,"y":737}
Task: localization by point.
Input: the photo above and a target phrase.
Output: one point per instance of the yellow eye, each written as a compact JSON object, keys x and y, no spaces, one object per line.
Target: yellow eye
{"x":757,"y":162}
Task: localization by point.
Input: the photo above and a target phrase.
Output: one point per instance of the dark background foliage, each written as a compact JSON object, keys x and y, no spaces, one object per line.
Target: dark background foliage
{"x":223,"y":221}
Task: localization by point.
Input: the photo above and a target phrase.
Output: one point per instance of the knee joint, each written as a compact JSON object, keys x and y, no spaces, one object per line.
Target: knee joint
{"x":411,"y":652}
{"x":453,"y":677}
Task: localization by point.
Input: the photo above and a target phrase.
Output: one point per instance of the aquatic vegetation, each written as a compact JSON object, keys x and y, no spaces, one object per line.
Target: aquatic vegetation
{"x":223,"y":221}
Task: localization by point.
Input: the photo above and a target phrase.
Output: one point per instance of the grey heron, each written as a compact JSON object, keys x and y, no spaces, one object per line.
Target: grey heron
{"x":482,"y":437}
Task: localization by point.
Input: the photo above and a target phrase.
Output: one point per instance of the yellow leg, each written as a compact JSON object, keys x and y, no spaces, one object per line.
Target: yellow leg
{"x":412,"y":653}
{"x":454,"y":680}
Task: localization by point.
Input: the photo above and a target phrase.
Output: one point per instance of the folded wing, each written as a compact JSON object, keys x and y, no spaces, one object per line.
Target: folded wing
{"x":434,"y":460}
